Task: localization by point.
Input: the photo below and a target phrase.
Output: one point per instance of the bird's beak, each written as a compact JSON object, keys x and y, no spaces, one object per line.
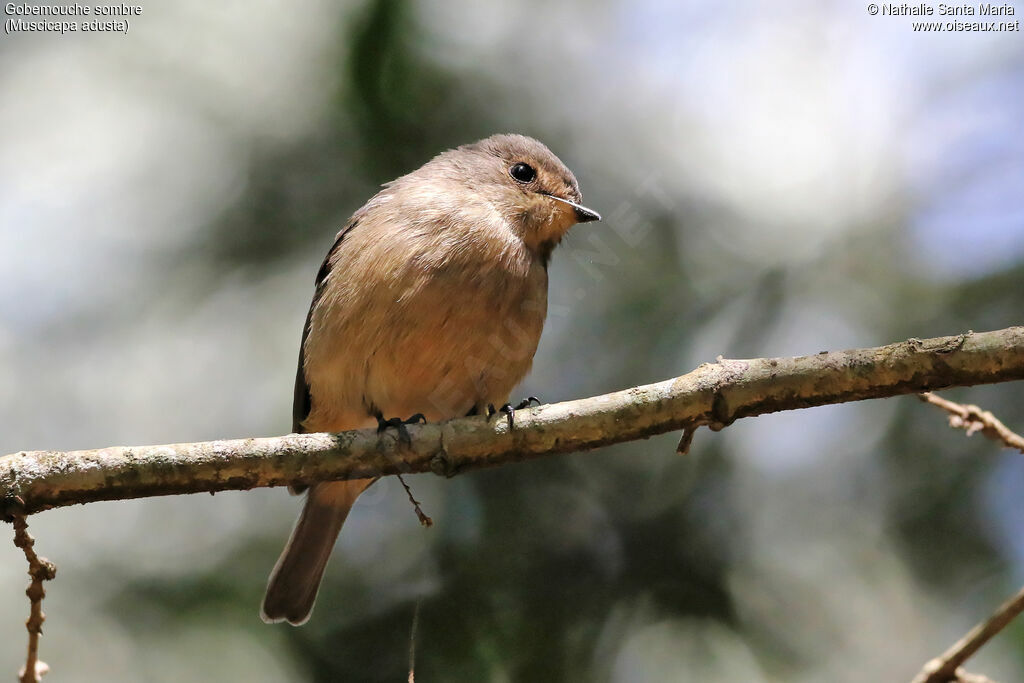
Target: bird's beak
{"x":583,"y":214}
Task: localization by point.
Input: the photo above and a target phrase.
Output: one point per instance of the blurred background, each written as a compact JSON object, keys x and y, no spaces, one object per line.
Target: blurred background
{"x":776,"y":179}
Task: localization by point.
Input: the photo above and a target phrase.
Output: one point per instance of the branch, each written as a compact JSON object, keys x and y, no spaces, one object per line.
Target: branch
{"x":966,"y":677}
{"x":715,"y":394}
{"x":973,"y":419}
{"x":946,"y":667}
{"x":40,"y":569}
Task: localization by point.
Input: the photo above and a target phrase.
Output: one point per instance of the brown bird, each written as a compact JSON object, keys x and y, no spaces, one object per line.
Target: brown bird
{"x":430,"y":304}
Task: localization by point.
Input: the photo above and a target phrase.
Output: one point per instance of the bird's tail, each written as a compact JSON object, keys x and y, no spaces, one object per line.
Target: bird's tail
{"x":295,"y":580}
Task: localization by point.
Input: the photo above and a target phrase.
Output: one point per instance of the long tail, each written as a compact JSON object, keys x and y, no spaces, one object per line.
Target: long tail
{"x":295,"y":580}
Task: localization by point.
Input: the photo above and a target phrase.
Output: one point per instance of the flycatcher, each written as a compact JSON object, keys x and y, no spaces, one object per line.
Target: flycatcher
{"x":430,"y":304}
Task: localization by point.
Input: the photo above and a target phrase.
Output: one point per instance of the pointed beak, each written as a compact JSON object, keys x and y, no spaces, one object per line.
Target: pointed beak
{"x":583,"y":214}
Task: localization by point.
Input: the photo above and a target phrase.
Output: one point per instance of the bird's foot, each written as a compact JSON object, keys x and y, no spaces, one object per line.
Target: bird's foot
{"x":399,"y":424}
{"x":510,"y":411}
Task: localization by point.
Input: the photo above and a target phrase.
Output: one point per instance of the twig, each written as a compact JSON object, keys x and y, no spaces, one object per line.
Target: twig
{"x":715,"y":394}
{"x":424,"y":520}
{"x":40,"y":569}
{"x":946,"y":667}
{"x":965,"y":677}
{"x":686,"y":440}
{"x":412,"y":639}
{"x":973,"y":419}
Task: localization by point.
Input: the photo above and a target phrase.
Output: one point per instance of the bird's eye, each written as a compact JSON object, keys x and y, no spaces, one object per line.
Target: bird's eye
{"x":524,"y":173}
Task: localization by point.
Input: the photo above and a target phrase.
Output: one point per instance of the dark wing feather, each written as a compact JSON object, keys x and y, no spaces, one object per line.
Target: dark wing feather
{"x":302,"y":403}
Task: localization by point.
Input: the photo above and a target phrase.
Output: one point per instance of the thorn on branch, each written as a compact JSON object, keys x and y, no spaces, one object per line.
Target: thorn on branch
{"x":39,"y":569}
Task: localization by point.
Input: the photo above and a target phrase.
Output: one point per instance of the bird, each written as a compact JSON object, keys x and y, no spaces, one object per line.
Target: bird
{"x":429,"y":306}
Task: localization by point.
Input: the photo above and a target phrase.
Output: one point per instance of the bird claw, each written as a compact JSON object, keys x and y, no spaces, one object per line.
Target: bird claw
{"x":510,"y":411}
{"x":399,"y":424}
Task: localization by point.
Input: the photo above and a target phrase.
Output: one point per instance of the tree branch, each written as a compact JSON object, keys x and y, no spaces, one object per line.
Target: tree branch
{"x":946,"y":667}
{"x":715,"y":394}
{"x":973,"y":419}
{"x":39,"y":569}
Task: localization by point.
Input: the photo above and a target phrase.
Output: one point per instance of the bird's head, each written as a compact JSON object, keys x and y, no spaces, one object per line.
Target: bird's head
{"x":527,"y":184}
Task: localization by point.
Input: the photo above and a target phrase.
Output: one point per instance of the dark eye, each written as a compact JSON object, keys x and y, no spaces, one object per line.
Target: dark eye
{"x":524,"y":173}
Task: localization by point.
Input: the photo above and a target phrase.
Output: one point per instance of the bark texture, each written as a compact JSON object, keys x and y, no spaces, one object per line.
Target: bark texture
{"x":715,"y":394}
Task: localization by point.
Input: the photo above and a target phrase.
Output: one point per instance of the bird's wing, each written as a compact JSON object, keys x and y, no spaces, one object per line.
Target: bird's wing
{"x":302,"y":403}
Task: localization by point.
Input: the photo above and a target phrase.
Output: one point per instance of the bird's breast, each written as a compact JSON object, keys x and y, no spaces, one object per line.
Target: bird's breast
{"x":438,"y":330}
